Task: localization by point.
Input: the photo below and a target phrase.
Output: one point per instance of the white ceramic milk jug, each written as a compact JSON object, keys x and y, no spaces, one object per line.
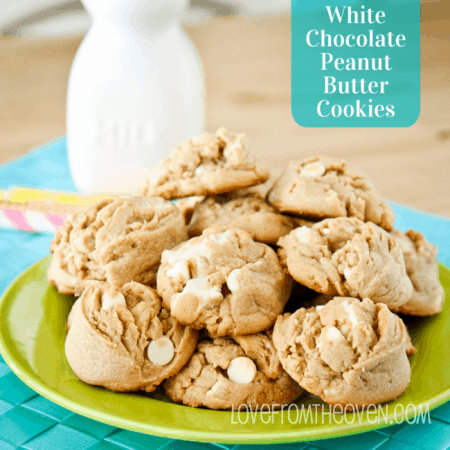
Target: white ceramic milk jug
{"x":135,"y":92}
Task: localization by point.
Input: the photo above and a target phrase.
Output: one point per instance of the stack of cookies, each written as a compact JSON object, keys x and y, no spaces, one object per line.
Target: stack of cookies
{"x":191,"y":294}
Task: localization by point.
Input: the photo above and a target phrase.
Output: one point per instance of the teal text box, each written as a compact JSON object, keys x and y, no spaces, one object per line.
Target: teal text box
{"x":360,"y":71}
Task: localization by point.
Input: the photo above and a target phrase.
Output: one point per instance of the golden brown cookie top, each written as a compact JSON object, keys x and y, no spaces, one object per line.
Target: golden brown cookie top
{"x":330,"y":350}
{"x":223,"y":281}
{"x":115,"y":240}
{"x":123,"y":339}
{"x":226,"y":372}
{"x":323,"y":187}
{"x":251,"y":213}
{"x":126,"y":317}
{"x":346,"y":256}
{"x":220,"y":351}
{"x":208,"y":164}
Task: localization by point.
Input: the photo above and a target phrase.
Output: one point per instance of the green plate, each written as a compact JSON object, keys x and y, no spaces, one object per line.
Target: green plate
{"x":32,"y":333}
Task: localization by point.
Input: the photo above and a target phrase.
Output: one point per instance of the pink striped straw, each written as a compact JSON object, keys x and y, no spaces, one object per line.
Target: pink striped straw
{"x":31,"y":221}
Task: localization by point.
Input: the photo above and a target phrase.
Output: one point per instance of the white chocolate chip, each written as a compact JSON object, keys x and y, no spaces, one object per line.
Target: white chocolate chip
{"x":180,"y":268}
{"x":315,"y":169}
{"x":200,"y":289}
{"x":161,"y":351}
{"x":204,"y":166}
{"x":344,"y":330}
{"x":232,"y":282}
{"x":199,"y":170}
{"x":303,"y":234}
{"x":200,"y":266}
{"x":350,"y":313}
{"x":216,"y":387}
{"x":220,"y":238}
{"x":183,"y":255}
{"x":318,"y":308}
{"x":242,"y":370}
{"x":170,"y":256}
{"x":334,"y":334}
{"x":109,"y":302}
{"x":347,"y":273}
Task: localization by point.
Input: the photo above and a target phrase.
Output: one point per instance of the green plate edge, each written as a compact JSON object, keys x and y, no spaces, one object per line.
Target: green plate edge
{"x":263,"y":434}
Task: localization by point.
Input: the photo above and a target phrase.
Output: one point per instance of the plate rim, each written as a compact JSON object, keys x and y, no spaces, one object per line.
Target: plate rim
{"x":32,"y":380}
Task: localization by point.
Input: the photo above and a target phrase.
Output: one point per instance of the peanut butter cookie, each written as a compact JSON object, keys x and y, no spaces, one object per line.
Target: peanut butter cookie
{"x":346,"y":352}
{"x":321,"y":187}
{"x":208,"y":164}
{"x":252,"y":214}
{"x":348,"y":257}
{"x":116,"y":240}
{"x":225,"y":282}
{"x":122,"y":339}
{"x":228,"y":372}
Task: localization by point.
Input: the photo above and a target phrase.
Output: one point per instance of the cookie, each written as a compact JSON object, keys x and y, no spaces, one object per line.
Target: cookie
{"x":225,"y":282}
{"x":421,"y":266}
{"x":347,"y":257}
{"x":116,"y":240}
{"x":122,"y":339}
{"x":346,"y":352}
{"x":208,"y":164}
{"x":251,"y":213}
{"x":321,"y":187}
{"x":226,"y":372}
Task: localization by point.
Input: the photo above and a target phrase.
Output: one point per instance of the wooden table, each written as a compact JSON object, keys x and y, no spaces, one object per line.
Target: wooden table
{"x":247,"y":67}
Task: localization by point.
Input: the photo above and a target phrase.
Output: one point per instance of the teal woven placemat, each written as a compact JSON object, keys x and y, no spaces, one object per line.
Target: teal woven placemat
{"x":29,"y":421}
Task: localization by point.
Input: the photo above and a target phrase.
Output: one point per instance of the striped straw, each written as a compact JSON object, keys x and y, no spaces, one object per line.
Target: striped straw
{"x":39,"y":211}
{"x":36,"y":217}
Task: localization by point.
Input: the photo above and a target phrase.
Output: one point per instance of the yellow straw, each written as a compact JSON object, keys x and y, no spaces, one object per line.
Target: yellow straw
{"x":24,"y":195}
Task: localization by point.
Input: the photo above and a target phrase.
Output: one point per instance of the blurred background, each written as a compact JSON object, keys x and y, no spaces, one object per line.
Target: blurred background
{"x":245,"y":49}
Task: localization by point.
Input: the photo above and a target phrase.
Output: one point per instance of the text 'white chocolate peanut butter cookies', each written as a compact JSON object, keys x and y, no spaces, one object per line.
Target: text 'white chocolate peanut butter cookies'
{"x":251,"y":213}
{"x":122,"y":339}
{"x":421,"y":266}
{"x":346,"y":352}
{"x":225,"y":282}
{"x":116,"y":240}
{"x":229,"y":372}
{"x":348,"y":257}
{"x":321,"y":187}
{"x":208,"y":164}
